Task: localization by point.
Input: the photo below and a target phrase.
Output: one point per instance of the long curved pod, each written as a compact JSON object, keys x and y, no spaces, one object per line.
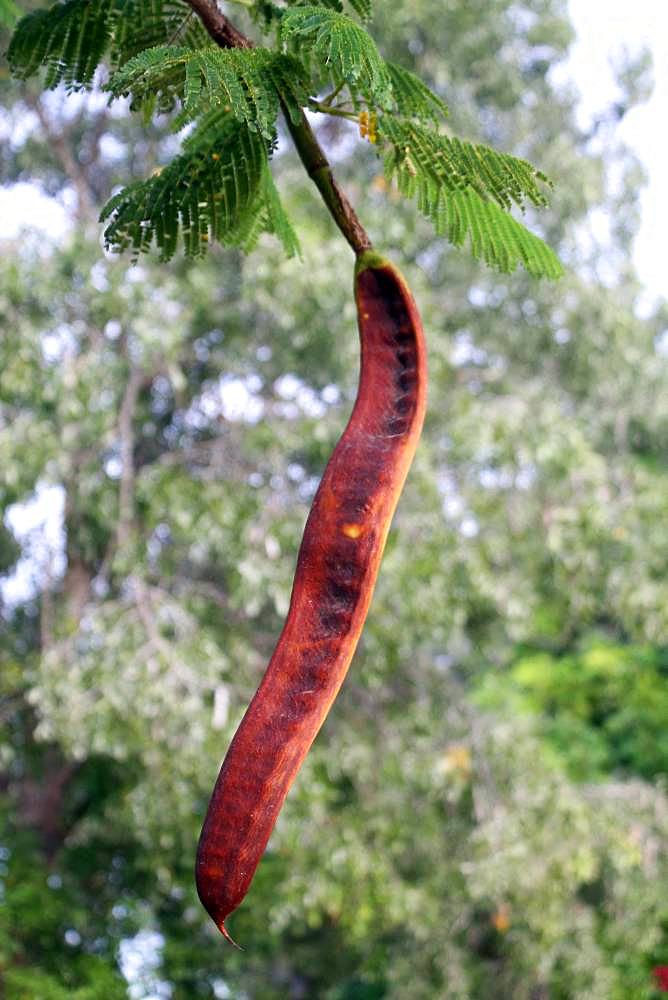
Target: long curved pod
{"x":336,"y":572}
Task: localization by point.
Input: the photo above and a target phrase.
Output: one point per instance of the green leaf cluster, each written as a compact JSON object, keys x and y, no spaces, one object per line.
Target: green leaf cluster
{"x":412,"y":98}
{"x":219,"y":188}
{"x":466,"y":190}
{"x":250,"y":84}
{"x":70,"y":39}
{"x":606,"y":706}
{"x":162,"y":59}
{"x":335,"y":45}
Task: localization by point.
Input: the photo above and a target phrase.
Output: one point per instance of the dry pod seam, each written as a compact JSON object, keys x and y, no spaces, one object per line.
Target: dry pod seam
{"x":336,"y":572}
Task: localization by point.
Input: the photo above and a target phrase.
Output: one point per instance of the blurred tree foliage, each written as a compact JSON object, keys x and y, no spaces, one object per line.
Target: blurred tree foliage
{"x":604,"y":706}
{"x":485,"y":812}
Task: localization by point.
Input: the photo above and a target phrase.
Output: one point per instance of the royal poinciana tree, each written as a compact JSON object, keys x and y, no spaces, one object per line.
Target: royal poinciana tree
{"x":151,"y":590}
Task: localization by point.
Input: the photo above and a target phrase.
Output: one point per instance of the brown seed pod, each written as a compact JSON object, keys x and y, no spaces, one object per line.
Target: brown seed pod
{"x":336,"y":573}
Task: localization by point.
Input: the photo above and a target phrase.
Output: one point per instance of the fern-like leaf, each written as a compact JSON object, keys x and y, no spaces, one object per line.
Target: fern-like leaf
{"x":413,"y":98}
{"x":71,"y":38}
{"x":426,"y":163}
{"x":467,"y":190}
{"x":156,"y":77}
{"x":340,"y":49}
{"x":363,"y":8}
{"x":219,"y":188}
{"x":266,"y":215}
{"x":248,"y":82}
{"x":144,"y":24}
{"x":203,"y":193}
{"x":495,"y":236}
{"x":276,"y":220}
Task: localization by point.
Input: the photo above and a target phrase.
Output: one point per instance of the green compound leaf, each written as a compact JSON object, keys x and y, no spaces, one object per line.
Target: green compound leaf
{"x":467,"y":190}
{"x":426,"y":162}
{"x":250,"y":83}
{"x":340,"y":49}
{"x":219,"y":188}
{"x":363,"y":8}
{"x":413,"y":98}
{"x":495,"y":236}
{"x":70,"y":39}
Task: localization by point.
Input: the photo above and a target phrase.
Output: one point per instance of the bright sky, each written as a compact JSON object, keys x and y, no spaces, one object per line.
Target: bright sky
{"x":603,"y":28}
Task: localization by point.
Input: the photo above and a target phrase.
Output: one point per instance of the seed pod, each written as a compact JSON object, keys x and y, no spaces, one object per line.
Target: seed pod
{"x":336,"y":573}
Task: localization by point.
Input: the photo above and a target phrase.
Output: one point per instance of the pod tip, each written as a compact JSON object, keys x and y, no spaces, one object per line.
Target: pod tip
{"x":228,"y":937}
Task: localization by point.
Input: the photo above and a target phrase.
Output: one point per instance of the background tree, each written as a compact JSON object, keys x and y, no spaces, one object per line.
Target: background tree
{"x":460,"y":828}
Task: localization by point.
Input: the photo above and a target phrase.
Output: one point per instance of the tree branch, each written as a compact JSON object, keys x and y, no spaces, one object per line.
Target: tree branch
{"x":163,"y":649}
{"x":220,"y":29}
{"x":63,"y":153}
{"x":126,"y":494}
{"x":310,"y":152}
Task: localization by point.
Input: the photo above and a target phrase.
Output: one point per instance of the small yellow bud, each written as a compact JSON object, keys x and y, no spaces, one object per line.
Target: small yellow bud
{"x":367,"y":126}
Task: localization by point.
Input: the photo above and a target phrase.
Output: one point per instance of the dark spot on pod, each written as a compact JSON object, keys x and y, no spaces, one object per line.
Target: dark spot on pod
{"x":333,"y":620}
{"x":396,"y":425}
{"x":343,"y":570}
{"x":315,"y":664}
{"x":358,"y":493}
{"x":354,"y":507}
{"x":344,"y":595}
{"x":403,"y":404}
{"x":403,"y":337}
{"x":355,"y":504}
{"x":406,"y":359}
{"x":406,"y":380}
{"x":392,"y":298}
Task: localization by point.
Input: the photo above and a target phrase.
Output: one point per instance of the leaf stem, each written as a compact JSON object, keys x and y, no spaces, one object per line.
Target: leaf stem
{"x":327,"y":109}
{"x":335,"y":93}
